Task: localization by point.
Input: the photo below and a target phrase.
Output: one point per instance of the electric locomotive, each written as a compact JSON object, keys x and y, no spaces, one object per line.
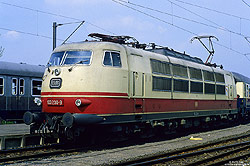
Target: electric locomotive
{"x":118,"y":85}
{"x":20,"y":84}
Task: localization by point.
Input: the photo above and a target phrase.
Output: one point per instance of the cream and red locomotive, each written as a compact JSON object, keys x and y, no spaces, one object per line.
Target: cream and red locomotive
{"x":108,"y":83}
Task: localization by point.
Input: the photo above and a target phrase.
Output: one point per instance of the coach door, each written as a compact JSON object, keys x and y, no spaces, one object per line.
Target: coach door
{"x":18,"y":99}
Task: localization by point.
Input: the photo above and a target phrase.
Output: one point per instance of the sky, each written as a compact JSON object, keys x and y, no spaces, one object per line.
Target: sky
{"x":26,"y":26}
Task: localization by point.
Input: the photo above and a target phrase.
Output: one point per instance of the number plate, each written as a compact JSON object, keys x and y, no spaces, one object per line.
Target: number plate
{"x":55,"y":102}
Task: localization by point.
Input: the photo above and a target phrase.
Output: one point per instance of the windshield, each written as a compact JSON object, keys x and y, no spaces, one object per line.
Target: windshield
{"x":56,"y":59}
{"x":71,"y":57}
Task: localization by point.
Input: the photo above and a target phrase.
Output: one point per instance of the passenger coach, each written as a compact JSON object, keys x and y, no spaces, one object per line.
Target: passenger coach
{"x":20,"y":84}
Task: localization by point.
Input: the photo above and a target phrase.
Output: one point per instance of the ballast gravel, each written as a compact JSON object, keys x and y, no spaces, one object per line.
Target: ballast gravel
{"x":112,"y":156}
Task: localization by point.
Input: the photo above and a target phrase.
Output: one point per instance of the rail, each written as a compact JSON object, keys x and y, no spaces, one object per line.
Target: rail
{"x":218,"y":151}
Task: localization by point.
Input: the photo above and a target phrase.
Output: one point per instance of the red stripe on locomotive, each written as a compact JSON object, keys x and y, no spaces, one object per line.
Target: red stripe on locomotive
{"x":116,"y":105}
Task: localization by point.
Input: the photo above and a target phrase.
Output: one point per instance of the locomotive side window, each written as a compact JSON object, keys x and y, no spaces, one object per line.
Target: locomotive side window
{"x":179,"y":70}
{"x":180,"y":85}
{"x":21,"y":86}
{"x":14,"y":86}
{"x":196,"y":87}
{"x":36,"y":87}
{"x":112,"y":59}
{"x":209,"y":88}
{"x":78,"y":57}
{"x":161,"y":84}
{"x":208,"y":76}
{"x":219,"y":77}
{"x":195,"y":73}
{"x":220,"y":89}
{"x":159,"y":67}
{"x":1,"y":86}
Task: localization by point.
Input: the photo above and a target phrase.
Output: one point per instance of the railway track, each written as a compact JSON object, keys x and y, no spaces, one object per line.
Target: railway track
{"x":31,"y":153}
{"x":216,"y":153}
{"x":34,"y":153}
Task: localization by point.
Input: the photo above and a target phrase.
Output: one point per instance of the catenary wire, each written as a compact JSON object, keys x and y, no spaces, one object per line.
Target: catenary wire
{"x":213,"y":10}
{"x":176,"y":26}
{"x":58,"y":15}
{"x":28,"y":33}
{"x":154,"y":17}
{"x":195,"y":13}
{"x":187,"y":19}
{"x":54,"y":14}
{"x":245,"y":3}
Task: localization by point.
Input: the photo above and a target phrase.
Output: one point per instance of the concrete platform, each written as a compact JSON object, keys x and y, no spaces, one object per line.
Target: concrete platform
{"x":14,"y":129}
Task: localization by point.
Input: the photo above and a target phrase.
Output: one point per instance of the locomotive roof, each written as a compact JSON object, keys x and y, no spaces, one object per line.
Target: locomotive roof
{"x":21,"y":69}
{"x":168,"y":52}
{"x":241,"y":78}
{"x":185,"y":60}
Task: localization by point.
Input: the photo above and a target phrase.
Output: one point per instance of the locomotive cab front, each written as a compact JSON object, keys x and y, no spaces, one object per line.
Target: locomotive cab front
{"x":82,"y":82}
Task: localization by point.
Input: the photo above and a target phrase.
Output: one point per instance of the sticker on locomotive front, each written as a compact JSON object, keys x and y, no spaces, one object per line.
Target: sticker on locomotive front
{"x":55,"y":102}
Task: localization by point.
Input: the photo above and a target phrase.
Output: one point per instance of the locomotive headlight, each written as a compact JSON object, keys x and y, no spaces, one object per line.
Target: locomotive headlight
{"x":82,"y":102}
{"x":38,"y":101}
{"x":57,"y":72}
{"x":78,"y":102}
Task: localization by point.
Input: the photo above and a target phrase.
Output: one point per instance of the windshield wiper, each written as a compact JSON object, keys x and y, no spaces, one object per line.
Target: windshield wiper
{"x":79,"y":62}
{"x":49,"y":64}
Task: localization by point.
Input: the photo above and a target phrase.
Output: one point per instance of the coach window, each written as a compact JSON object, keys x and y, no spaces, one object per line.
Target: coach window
{"x":14,"y":86}
{"x":36,"y":87}
{"x":21,"y":86}
{"x":1,"y":86}
{"x":112,"y":59}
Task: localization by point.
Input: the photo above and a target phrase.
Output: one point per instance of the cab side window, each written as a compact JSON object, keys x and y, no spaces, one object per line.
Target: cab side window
{"x":112,"y":59}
